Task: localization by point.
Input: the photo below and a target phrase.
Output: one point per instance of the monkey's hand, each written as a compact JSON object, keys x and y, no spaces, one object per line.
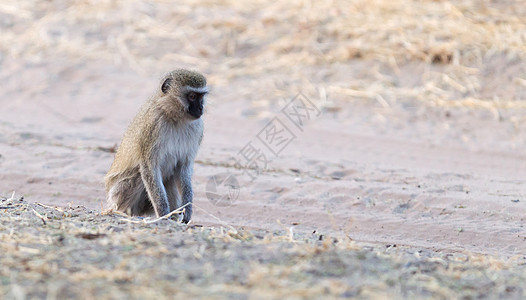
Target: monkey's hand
{"x":187,"y":216}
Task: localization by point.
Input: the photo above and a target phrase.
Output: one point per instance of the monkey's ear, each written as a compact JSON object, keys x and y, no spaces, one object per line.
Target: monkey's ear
{"x":166,"y":85}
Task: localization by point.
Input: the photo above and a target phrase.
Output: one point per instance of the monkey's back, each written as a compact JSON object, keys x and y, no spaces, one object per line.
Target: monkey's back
{"x":128,"y":156}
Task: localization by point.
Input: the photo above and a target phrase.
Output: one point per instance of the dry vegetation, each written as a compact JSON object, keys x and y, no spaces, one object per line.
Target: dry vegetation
{"x":59,"y":253}
{"x":461,"y":33}
{"x":308,"y":45}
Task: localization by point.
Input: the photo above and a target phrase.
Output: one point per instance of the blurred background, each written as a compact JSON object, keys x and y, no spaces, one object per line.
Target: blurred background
{"x":387,"y":54}
{"x":414,"y":95}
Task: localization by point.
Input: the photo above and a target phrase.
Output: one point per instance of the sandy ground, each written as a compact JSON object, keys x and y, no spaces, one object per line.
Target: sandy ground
{"x":415,"y":175}
{"x":418,"y":142}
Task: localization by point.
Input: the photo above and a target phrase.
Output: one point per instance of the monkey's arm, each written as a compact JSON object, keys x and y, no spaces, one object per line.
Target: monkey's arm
{"x":186,"y":190}
{"x":152,"y":179}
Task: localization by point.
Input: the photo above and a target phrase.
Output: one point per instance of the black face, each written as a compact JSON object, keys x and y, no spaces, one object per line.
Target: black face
{"x":195,"y":103}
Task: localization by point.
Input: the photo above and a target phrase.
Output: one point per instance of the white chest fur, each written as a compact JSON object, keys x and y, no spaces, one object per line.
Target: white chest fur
{"x":179,"y":145}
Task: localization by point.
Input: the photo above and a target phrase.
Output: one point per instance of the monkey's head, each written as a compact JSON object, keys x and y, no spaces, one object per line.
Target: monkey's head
{"x":185,"y":90}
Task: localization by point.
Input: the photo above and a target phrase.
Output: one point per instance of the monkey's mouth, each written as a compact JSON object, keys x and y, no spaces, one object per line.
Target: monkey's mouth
{"x":196,"y":113}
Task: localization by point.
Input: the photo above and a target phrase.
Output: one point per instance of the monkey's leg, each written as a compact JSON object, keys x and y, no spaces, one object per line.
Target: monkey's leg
{"x":173,"y":193}
{"x":185,"y":182}
{"x":152,"y":180}
{"x":128,"y":195}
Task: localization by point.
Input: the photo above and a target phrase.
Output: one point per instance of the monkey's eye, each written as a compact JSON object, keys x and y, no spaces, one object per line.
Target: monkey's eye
{"x":192,"y":97}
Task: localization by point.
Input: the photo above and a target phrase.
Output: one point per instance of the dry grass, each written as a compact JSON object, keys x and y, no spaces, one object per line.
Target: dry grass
{"x":58,"y":253}
{"x":293,"y":44}
{"x":285,"y":32}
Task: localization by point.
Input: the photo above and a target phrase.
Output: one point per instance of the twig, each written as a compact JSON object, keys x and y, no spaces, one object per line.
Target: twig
{"x":177,"y":211}
{"x":290,"y":230}
{"x":218,"y":219}
{"x":12,"y":197}
{"x":39,"y":215}
{"x":47,"y":206}
{"x":101,"y":206}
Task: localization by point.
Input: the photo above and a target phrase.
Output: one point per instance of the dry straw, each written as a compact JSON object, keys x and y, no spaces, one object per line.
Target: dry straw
{"x":255,"y":39}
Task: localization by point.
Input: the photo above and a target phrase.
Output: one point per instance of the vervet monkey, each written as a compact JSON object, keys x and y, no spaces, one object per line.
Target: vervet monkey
{"x":153,"y":165}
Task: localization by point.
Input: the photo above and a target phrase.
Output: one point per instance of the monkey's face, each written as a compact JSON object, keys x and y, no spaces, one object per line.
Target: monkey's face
{"x":185,"y":93}
{"x":195,"y":100}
